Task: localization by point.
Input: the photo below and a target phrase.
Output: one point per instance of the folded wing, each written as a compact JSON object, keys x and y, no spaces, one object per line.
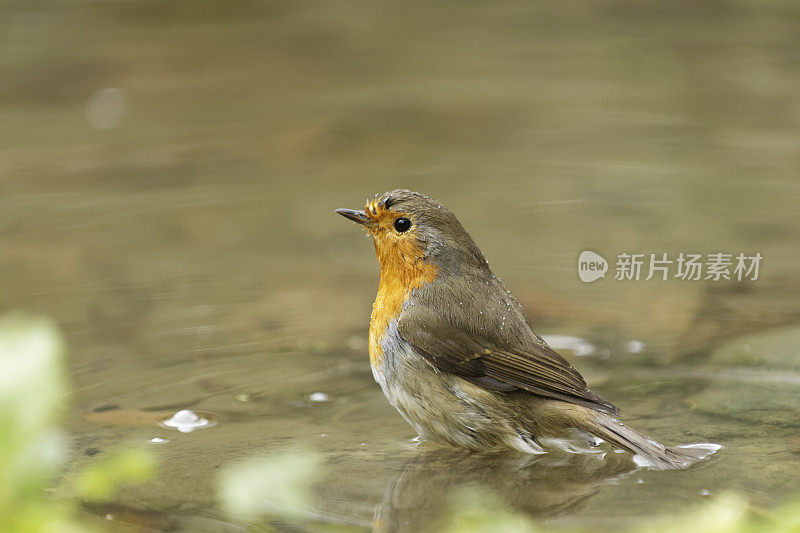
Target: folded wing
{"x":492,"y":345}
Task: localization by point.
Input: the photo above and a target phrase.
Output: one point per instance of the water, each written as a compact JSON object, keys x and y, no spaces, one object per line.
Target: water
{"x":169,"y":172}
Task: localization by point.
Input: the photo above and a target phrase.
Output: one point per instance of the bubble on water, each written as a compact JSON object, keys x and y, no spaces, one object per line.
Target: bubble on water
{"x":318,"y":397}
{"x":356,"y":342}
{"x":187,"y":421}
{"x":158,"y":440}
{"x":106,"y":108}
{"x":634,"y":346}
{"x":705,"y":492}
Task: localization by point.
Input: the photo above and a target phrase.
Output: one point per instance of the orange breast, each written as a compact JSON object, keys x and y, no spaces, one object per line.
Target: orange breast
{"x":402,"y":271}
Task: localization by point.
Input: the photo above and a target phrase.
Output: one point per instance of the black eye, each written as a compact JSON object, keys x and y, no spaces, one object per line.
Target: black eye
{"x":402,"y":224}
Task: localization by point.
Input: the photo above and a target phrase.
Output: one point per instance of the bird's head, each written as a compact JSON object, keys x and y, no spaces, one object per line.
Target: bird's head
{"x":412,"y":231}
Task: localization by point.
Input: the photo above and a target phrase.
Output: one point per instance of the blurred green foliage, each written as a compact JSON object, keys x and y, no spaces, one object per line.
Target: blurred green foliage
{"x":32,"y":450}
{"x":99,"y":481}
{"x":276,"y":485}
{"x":476,"y":510}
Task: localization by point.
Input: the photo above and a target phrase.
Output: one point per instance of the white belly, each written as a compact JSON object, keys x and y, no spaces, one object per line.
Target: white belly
{"x":444,"y":407}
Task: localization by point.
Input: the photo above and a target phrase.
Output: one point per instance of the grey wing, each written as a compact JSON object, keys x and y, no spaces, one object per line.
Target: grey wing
{"x":494,"y":348}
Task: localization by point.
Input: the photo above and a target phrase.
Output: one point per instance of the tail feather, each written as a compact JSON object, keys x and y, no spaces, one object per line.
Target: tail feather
{"x":648,"y":452}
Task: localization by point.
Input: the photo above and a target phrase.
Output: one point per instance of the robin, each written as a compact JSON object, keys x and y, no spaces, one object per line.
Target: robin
{"x":454,"y":354}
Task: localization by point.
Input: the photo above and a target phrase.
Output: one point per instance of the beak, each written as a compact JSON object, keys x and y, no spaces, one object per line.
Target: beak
{"x":355,"y":216}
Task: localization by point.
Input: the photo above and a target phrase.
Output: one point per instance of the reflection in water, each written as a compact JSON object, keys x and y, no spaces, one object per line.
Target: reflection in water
{"x":577,"y":345}
{"x":541,"y":486}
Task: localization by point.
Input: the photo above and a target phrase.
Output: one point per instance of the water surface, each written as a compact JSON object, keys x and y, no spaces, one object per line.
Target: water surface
{"x":169,"y":172}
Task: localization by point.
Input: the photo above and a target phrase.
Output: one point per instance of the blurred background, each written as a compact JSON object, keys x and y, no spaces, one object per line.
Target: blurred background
{"x":169,"y":171}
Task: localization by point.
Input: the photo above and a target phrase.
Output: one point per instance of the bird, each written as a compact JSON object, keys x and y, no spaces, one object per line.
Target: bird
{"x":454,"y":353}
